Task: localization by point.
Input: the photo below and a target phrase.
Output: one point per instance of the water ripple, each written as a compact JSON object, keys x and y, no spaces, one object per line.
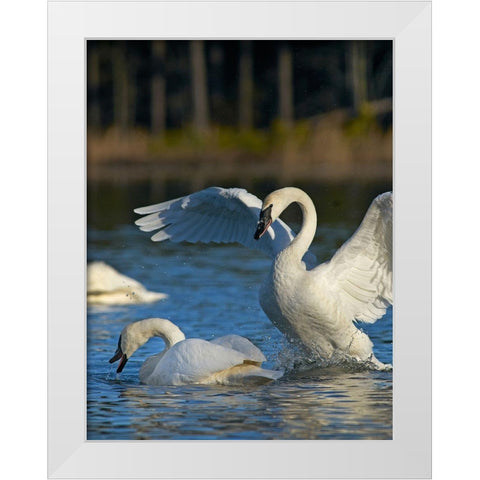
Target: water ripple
{"x":214,"y":291}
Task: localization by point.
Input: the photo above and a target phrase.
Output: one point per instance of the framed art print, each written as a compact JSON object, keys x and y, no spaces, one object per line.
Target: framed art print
{"x":186,"y":319}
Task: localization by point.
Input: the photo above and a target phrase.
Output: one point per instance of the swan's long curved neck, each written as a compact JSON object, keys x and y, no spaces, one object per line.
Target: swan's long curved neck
{"x":138,"y":333}
{"x":301,"y":243}
{"x":169,"y":332}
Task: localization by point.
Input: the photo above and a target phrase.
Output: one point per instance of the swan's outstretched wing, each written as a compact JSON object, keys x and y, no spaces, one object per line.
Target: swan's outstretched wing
{"x":221,"y":215}
{"x":359,"y":275}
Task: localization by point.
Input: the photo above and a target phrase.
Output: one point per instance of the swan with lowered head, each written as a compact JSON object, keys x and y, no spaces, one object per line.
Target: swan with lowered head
{"x":228,"y":360}
{"x":107,"y":286}
{"x":316,"y":306}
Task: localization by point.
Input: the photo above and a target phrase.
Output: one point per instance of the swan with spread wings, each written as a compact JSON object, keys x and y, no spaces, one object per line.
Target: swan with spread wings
{"x":314,"y":305}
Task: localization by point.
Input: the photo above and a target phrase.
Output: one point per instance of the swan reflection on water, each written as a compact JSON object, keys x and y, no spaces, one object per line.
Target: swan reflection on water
{"x":315,"y":404}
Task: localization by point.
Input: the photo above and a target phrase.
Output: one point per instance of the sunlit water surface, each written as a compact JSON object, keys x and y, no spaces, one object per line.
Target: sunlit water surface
{"x":213,"y":291}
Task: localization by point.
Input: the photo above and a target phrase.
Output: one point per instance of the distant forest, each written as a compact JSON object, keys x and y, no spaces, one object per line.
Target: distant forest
{"x":172,"y":84}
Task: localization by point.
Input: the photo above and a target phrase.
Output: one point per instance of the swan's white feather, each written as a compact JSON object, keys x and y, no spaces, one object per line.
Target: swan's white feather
{"x":193,"y":361}
{"x":243,"y":345}
{"x":359,"y":275}
{"x":221,"y":215}
{"x":198,"y":361}
{"x":107,"y":286}
{"x":102,"y":278}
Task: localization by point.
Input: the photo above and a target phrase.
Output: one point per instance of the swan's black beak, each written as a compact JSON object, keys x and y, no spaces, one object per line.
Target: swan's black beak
{"x":119,"y":355}
{"x":264,"y":222}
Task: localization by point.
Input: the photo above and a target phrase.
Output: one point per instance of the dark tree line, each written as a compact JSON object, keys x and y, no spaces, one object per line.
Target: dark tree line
{"x":166,"y":84}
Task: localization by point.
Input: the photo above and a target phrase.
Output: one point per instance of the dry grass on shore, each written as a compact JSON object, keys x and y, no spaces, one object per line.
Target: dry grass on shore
{"x":332,"y":145}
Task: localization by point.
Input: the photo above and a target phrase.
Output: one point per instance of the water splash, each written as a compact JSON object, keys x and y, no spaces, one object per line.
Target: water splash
{"x":294,"y":359}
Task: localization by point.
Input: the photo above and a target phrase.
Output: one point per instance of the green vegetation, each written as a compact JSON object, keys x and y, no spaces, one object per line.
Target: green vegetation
{"x":362,"y":124}
{"x":226,"y":139}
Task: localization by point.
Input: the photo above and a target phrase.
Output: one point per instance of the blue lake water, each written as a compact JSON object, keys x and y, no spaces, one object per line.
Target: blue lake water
{"x":213,"y":291}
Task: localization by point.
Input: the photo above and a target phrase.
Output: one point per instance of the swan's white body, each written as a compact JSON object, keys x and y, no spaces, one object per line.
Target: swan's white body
{"x":106,"y":286}
{"x":317,"y":306}
{"x":228,"y":360}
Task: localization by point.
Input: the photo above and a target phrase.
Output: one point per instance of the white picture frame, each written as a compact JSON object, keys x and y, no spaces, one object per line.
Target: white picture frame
{"x":70,"y":455}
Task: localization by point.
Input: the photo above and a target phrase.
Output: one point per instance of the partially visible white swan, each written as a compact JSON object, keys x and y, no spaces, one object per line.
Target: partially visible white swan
{"x":316,"y":306}
{"x":229,"y":360}
{"x":106,"y":286}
